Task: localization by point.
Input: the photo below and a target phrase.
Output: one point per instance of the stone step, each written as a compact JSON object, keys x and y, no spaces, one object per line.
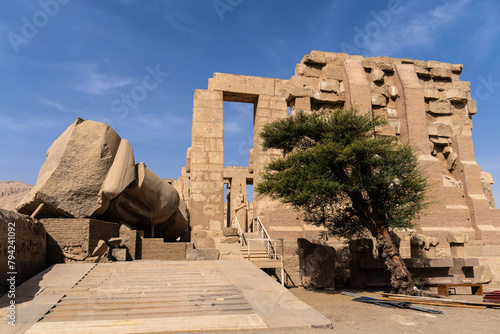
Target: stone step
{"x":266,"y":263}
{"x":144,"y":313}
{"x":140,"y":299}
{"x":158,"y":304}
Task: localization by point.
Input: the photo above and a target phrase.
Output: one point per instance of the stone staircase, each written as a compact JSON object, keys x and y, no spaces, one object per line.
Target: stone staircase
{"x":256,"y":252}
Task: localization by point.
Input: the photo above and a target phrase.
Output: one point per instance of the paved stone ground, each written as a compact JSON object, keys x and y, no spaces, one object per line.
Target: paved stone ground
{"x":155,"y":297}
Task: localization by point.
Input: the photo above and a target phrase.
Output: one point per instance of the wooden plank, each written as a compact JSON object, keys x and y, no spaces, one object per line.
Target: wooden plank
{"x":155,"y":325}
{"x":430,"y":299}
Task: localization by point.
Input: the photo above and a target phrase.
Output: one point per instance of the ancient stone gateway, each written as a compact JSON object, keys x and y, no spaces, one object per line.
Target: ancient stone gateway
{"x":425,"y":104}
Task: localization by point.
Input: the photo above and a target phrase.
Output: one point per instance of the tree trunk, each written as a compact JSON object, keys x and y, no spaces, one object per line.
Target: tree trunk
{"x":401,"y":281}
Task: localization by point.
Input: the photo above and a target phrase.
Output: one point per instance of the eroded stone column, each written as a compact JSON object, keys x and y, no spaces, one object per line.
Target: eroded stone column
{"x":412,"y":112}
{"x":207,"y":161}
{"x":357,"y":87}
{"x":267,"y":109}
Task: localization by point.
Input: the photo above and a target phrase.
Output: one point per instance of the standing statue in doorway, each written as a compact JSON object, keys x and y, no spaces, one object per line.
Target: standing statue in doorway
{"x":241,"y":210}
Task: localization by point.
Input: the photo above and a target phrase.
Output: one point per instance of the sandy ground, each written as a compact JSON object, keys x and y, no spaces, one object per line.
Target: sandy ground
{"x":348,"y":316}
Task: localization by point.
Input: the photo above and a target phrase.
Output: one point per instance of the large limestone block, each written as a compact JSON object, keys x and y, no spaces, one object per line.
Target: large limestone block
{"x":423,"y":246}
{"x":332,"y":72}
{"x":455,"y":237}
{"x":147,"y":201}
{"x":317,"y":265}
{"x":455,"y":95}
{"x":119,"y":254}
{"x":90,"y":173}
{"x":71,"y":178}
{"x":440,"y":107}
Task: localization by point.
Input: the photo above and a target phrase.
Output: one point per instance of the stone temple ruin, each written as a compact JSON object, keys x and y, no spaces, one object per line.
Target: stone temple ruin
{"x":115,"y":203}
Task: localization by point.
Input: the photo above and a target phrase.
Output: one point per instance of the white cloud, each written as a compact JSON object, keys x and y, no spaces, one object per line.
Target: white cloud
{"x":54,"y":104}
{"x":422,"y":30}
{"x":232,"y":127}
{"x":171,"y":12}
{"x":26,"y":123}
{"x":12,"y":124}
{"x":100,"y":84}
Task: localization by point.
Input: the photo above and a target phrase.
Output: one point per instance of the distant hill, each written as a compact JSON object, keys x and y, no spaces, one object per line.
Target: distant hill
{"x":11,"y":192}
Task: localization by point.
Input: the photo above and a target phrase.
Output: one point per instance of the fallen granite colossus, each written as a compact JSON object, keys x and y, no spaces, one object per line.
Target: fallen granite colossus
{"x":90,"y":172}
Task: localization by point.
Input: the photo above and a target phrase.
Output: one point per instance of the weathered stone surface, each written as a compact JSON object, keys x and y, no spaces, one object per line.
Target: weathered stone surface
{"x":392,"y":113}
{"x":440,"y":129}
{"x":175,"y":226}
{"x":129,"y":239}
{"x":230,"y":251}
{"x":208,"y":254}
{"x":457,"y":242}
{"x":74,"y":257}
{"x":379,"y":100}
{"x":440,"y":72}
{"x":431,"y":113}
{"x":114,"y":242}
{"x":451,"y":160}
{"x":199,"y":234}
{"x":315,"y":57}
{"x":30,"y":247}
{"x":148,"y":200}
{"x":440,"y":107}
{"x":119,"y":254}
{"x":308,"y":71}
{"x":191,"y":254}
{"x":330,"y":86}
{"x":317,"y":265}
{"x":101,"y":249}
{"x":377,"y":75}
{"x":230,"y":240}
{"x":422,"y":71}
{"x":483,"y":274}
{"x":457,"y":238}
{"x":393,"y":92}
{"x":332,"y":72}
{"x":457,"y":67}
{"x":204,"y":243}
{"x":431,"y":93}
{"x":423,"y":246}
{"x":71,"y":177}
{"x":90,"y":173}
{"x":230,"y":231}
{"x":215,"y":226}
{"x":455,"y":95}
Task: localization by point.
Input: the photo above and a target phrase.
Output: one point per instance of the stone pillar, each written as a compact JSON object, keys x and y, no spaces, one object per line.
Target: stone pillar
{"x":478,"y":203}
{"x":412,"y":116}
{"x":267,"y":109}
{"x":207,"y":161}
{"x":357,"y":87}
{"x":457,"y":242}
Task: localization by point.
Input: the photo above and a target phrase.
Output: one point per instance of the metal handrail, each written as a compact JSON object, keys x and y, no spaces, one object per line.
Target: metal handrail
{"x":240,"y":231}
{"x":261,"y":230}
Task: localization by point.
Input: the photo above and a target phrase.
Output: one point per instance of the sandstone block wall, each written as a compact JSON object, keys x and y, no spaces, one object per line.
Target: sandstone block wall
{"x":157,"y":249}
{"x":75,"y":238}
{"x":29,"y":247}
{"x":425,"y":104}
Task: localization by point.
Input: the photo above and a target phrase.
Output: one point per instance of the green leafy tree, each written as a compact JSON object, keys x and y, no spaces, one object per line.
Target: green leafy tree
{"x":343,"y":176}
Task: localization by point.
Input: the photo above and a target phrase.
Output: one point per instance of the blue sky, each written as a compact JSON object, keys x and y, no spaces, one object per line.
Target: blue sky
{"x":63,"y":59}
